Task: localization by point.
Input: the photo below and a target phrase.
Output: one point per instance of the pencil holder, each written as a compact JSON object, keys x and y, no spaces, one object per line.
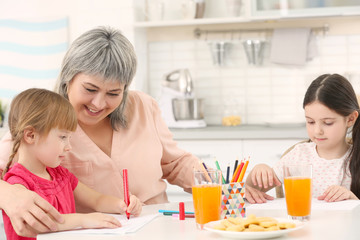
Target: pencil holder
{"x":232,"y":200}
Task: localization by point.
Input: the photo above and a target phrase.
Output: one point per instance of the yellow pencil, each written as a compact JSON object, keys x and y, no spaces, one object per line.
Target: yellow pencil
{"x":202,"y":166}
{"x":243,"y":171}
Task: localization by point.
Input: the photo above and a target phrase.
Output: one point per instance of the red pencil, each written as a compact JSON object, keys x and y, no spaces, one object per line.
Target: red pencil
{"x":238,"y":172}
{"x":181,"y":211}
{"x":126,"y":190}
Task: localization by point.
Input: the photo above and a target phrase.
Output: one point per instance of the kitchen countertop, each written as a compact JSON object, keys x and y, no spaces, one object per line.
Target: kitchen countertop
{"x":216,"y":132}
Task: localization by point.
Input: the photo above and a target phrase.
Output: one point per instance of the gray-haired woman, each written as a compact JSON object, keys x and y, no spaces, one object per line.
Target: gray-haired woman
{"x":117,"y":128}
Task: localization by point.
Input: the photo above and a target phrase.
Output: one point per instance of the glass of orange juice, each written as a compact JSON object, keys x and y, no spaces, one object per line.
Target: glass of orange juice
{"x":206,"y":193}
{"x":298,"y":191}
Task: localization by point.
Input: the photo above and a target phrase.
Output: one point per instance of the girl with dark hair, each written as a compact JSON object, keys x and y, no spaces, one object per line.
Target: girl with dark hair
{"x":331,"y":113}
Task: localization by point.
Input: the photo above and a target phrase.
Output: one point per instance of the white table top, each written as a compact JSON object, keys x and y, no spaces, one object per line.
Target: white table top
{"x":328,"y":221}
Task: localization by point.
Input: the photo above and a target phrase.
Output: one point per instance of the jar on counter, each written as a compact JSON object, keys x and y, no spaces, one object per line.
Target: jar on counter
{"x":231,"y":114}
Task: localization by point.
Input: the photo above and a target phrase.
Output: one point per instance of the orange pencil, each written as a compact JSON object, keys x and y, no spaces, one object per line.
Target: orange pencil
{"x":202,"y":166}
{"x":234,"y":174}
{"x":243,"y":171}
{"x":237,"y":172}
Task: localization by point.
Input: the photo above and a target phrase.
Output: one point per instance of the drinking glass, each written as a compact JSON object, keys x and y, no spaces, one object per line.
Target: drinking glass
{"x":298,"y":191}
{"x":206,"y":193}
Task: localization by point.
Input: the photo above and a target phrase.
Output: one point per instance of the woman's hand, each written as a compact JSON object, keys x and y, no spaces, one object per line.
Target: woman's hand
{"x":29,"y":213}
{"x":337,"y":193}
{"x":254,"y":195}
{"x":263,"y":176}
{"x":135,"y":206}
{"x":99,"y":220}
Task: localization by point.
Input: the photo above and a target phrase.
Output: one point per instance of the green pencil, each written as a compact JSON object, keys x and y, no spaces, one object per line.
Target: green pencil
{"x":218,"y":167}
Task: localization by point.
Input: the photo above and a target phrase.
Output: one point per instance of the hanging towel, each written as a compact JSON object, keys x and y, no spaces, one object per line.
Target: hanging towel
{"x":292,"y":46}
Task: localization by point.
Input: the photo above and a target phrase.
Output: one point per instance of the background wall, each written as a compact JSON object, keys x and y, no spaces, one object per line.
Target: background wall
{"x":81,"y":15}
{"x":270,"y":93}
{"x":260,"y":94}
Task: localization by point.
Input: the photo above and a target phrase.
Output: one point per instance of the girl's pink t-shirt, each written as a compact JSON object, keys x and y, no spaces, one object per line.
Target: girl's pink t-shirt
{"x":58,"y":191}
{"x":325,"y":173}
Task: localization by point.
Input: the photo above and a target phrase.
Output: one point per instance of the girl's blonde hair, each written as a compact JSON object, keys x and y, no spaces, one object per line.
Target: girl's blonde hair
{"x":42,"y":110}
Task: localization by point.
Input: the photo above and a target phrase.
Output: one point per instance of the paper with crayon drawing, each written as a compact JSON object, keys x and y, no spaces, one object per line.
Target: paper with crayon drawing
{"x":128,"y":226}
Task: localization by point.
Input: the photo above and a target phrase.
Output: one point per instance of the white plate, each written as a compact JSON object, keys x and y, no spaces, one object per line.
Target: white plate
{"x":254,"y":235}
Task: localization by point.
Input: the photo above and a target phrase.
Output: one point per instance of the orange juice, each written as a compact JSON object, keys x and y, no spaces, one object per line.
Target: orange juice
{"x":298,"y":196}
{"x":207,"y":203}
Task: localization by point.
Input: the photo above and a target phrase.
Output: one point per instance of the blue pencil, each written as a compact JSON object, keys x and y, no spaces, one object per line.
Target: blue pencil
{"x":227,"y":173}
{"x":235,"y":166}
{"x":173,"y":211}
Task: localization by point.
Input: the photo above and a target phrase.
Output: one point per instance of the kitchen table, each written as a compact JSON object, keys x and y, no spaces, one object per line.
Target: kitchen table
{"x":328,"y":221}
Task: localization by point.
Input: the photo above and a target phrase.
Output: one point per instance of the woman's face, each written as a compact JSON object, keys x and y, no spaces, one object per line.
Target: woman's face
{"x":93,"y":98}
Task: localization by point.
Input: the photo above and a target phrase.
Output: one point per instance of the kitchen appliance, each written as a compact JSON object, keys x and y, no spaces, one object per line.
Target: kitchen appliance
{"x":180,"y":108}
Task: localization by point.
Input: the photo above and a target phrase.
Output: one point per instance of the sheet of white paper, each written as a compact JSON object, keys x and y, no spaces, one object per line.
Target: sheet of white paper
{"x":279,"y":203}
{"x":128,"y":226}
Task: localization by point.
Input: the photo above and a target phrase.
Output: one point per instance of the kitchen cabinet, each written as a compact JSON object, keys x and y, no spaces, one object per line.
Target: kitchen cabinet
{"x":253,"y":11}
{"x":303,"y":8}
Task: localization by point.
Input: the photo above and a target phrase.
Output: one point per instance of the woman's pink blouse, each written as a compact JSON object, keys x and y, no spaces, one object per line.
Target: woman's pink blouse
{"x":146,"y":148}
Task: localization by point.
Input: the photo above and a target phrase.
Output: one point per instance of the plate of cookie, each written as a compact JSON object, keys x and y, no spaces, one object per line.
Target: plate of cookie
{"x":253,"y":227}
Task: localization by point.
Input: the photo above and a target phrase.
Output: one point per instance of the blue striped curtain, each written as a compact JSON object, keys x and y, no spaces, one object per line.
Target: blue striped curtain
{"x":31,"y":52}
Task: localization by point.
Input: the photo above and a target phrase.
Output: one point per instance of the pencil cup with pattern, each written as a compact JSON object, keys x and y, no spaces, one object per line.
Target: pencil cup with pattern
{"x":232,"y":200}
{"x":206,"y":193}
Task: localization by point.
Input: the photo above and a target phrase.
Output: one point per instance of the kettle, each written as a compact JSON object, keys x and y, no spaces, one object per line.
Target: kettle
{"x":179,"y":80}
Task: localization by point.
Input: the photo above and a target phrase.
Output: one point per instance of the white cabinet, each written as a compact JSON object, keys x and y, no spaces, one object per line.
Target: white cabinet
{"x":217,"y":12}
{"x":303,"y":8}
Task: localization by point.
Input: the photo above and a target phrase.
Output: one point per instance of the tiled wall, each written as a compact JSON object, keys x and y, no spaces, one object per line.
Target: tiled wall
{"x":260,"y":94}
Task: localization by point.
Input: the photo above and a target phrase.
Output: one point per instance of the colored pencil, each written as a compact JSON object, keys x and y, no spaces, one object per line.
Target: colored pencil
{"x":204,"y":169}
{"x":218,"y":168}
{"x":181,"y":211}
{"x":241,"y":165}
{"x":235,"y":165}
{"x":241,"y":177}
{"x":170,"y":212}
{"x":186,"y":215}
{"x":227,"y":173}
{"x":126,"y":190}
{"x":204,"y":165}
{"x":235,"y":174}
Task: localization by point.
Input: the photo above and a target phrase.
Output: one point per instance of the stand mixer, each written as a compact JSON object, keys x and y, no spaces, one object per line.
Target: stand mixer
{"x":180,"y":109}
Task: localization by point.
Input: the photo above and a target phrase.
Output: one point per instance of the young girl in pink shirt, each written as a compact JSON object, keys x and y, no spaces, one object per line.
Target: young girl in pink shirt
{"x":41,"y":123}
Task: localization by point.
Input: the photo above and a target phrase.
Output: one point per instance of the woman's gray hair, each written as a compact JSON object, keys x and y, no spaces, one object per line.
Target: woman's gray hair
{"x":104,"y":52}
